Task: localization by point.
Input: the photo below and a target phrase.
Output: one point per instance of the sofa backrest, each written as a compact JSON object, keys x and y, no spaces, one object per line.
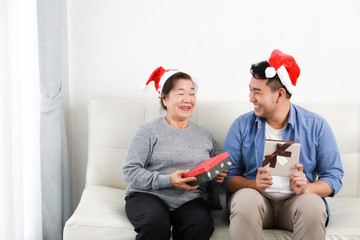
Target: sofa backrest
{"x":112,"y":123}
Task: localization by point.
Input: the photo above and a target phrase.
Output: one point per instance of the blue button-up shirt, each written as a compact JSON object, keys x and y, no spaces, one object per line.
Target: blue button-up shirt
{"x":319,"y":153}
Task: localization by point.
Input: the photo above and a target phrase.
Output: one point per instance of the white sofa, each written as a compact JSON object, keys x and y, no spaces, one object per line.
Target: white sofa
{"x":112,"y":122}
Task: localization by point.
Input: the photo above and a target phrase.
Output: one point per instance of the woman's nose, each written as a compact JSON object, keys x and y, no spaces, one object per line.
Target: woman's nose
{"x":186,"y":98}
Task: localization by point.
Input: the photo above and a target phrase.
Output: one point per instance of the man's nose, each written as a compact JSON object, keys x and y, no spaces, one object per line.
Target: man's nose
{"x":251,"y":97}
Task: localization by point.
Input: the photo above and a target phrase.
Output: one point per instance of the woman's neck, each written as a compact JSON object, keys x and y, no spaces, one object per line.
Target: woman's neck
{"x":177,"y":124}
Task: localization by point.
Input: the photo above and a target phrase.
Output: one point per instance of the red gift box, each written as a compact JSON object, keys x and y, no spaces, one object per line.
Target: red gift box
{"x":209,"y":169}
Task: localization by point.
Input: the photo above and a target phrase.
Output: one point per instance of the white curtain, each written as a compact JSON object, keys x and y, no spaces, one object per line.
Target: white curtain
{"x":20,"y":184}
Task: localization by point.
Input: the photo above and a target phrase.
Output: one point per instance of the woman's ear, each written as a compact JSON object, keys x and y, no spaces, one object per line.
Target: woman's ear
{"x":163,"y":98}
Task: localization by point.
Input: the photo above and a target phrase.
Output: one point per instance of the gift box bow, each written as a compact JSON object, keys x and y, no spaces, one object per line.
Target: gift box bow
{"x":280,"y":151}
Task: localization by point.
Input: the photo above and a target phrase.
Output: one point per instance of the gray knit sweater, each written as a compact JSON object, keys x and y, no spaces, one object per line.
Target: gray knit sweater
{"x":157,"y":150}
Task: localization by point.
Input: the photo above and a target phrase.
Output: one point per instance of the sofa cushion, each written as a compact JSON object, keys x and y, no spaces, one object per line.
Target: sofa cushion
{"x":100,"y":215}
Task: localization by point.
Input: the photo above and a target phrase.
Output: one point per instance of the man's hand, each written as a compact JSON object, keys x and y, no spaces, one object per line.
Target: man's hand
{"x":178,"y":181}
{"x":220,"y":178}
{"x":298,"y":181}
{"x":263,"y":179}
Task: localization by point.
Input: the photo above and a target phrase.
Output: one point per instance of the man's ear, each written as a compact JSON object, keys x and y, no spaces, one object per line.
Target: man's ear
{"x":281,"y":94}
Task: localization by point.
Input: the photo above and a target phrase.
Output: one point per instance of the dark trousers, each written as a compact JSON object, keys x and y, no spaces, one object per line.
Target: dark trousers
{"x":152,"y":219}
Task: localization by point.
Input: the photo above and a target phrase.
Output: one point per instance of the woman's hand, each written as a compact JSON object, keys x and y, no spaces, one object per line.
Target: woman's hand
{"x":220,"y":178}
{"x":178,"y":181}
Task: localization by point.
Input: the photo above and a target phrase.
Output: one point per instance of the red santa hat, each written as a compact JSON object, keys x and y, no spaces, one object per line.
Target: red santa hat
{"x":286,"y":68}
{"x":159,"y":76}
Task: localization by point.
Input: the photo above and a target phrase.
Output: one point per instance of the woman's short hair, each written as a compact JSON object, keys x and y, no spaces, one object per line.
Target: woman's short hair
{"x":169,"y":85}
{"x":257,"y":70}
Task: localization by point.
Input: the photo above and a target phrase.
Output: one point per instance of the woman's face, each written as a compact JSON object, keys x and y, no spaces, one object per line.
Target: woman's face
{"x":181,"y":100}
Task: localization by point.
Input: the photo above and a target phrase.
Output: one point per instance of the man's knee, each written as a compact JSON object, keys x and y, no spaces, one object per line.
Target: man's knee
{"x":310,"y":209}
{"x":244,"y":200}
{"x":309,"y":217}
{"x":247,"y":207}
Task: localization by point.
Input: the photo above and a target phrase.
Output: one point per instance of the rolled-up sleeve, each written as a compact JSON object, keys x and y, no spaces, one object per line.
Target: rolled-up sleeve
{"x":232,"y":145}
{"x":329,"y":166}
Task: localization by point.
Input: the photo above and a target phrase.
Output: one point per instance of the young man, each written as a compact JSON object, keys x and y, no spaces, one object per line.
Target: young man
{"x":257,"y":200}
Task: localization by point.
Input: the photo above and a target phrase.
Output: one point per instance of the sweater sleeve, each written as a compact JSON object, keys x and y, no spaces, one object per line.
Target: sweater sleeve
{"x":135,"y":171}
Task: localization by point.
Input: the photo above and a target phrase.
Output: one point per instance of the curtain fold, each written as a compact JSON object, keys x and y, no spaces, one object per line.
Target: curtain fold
{"x":55,"y":170}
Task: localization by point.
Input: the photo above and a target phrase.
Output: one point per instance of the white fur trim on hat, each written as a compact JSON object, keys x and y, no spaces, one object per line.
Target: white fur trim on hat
{"x":164,"y":78}
{"x":285,"y":79}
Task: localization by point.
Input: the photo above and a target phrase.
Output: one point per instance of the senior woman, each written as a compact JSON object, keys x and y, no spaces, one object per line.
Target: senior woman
{"x":158,"y":199}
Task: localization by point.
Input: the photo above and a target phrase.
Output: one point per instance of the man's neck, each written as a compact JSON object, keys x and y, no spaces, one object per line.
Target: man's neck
{"x":280,"y":118}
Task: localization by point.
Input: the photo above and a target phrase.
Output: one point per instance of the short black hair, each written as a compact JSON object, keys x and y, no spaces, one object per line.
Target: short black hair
{"x":257,"y":70}
{"x":169,"y":85}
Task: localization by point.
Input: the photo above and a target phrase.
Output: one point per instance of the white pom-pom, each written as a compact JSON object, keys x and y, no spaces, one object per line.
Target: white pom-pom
{"x":270,"y":72}
{"x":144,"y":87}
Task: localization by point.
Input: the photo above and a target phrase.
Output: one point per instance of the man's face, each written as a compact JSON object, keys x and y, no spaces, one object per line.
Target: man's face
{"x":263,"y":98}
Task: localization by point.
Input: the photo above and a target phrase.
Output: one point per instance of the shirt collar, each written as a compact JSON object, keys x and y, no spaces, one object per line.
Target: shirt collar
{"x":291,"y":120}
{"x":259,"y":121}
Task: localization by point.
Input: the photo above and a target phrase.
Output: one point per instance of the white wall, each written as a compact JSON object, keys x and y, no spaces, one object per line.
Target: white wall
{"x":114,"y":45}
